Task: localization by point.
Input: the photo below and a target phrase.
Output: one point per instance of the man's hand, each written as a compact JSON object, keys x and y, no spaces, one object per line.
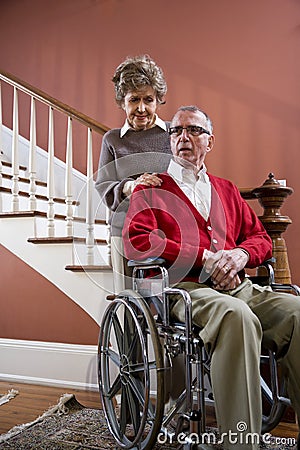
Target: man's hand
{"x":223,"y":267}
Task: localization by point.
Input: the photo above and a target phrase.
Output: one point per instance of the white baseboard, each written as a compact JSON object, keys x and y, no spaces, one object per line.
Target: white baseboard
{"x":49,"y":363}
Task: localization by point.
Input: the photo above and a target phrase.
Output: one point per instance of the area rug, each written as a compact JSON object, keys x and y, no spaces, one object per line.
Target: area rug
{"x":4,"y":398}
{"x":70,"y":426}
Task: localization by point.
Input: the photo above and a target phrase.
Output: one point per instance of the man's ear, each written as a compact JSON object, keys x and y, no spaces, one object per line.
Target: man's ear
{"x":211,"y":141}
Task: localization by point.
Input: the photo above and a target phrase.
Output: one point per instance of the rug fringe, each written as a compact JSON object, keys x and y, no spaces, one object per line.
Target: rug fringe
{"x":59,"y":409}
{"x":6,"y":397}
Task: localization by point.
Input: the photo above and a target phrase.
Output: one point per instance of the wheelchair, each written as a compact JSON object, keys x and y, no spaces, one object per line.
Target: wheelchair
{"x":138,"y":347}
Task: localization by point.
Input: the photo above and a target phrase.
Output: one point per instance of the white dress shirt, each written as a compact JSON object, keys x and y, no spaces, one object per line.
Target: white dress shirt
{"x":196,"y":186}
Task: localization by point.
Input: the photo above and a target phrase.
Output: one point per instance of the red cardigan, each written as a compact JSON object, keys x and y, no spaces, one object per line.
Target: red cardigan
{"x":161,"y":221}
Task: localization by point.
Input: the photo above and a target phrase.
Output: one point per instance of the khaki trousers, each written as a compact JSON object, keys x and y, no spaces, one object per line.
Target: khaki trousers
{"x":234,"y":324}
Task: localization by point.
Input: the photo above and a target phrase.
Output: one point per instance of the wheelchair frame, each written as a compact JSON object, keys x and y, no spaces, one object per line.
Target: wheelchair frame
{"x":137,"y":344}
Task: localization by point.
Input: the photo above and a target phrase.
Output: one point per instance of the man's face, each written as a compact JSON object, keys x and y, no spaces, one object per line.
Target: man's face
{"x":192,"y":149}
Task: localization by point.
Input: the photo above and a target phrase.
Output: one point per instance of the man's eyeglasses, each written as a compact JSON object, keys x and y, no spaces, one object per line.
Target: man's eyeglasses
{"x":194,"y":130}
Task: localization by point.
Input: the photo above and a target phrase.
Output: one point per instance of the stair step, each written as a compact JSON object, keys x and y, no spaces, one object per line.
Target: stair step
{"x":63,"y":240}
{"x":25,"y":180}
{"x":87,"y":268}
{"x":8,"y":214}
{"x":8,"y":164}
{"x":38,"y":196}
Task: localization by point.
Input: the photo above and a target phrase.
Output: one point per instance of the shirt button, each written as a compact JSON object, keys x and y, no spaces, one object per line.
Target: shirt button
{"x":215,"y":241}
{"x":209,"y":228}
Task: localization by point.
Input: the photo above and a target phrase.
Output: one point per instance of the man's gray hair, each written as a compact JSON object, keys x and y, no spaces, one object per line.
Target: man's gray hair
{"x":195,"y":109}
{"x":137,"y":72}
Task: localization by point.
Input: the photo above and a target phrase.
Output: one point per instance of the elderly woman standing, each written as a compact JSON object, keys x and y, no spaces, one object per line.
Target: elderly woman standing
{"x":137,"y":152}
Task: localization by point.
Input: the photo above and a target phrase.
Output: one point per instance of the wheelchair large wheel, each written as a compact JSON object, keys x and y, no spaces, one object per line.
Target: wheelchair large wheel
{"x":274,"y":395}
{"x":131,"y":375}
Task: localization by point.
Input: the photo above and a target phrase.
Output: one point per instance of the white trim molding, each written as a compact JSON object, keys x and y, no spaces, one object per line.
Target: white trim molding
{"x":49,"y":363}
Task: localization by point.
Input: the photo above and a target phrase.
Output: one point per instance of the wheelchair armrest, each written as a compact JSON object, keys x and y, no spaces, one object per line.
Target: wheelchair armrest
{"x":269,"y":261}
{"x":146,"y":262}
{"x":270,"y":270}
{"x":286,"y":287}
{"x":270,"y":279}
{"x":265,"y":279}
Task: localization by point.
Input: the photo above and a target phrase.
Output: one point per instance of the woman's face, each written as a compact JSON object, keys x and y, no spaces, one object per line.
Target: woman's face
{"x":140,"y":107}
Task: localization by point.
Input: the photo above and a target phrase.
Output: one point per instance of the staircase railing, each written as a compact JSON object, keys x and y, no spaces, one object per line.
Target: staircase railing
{"x":91,"y":125}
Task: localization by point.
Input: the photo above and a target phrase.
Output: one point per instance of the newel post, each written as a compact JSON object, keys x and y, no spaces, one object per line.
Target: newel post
{"x":271,"y":196}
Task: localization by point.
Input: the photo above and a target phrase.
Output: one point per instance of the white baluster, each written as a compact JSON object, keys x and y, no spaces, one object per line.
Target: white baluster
{"x":108,"y":234}
{"x":1,"y":143}
{"x":50,"y":176}
{"x":1,"y":206}
{"x":89,"y":202}
{"x":15,"y":154}
{"x":32,"y":158}
{"x":68,"y":180}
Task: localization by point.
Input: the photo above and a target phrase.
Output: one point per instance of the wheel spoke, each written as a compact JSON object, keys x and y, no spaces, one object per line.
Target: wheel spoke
{"x":134,"y":349}
{"x":130,"y":337}
{"x":138,"y":388}
{"x":133,"y":409}
{"x":119,"y":334}
{"x":113,"y":356}
{"x":115,"y":388}
{"x":123,"y":412}
{"x":137,"y":368}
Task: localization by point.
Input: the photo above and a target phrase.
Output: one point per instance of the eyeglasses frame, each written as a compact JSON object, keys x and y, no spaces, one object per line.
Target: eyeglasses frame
{"x":177,"y":133}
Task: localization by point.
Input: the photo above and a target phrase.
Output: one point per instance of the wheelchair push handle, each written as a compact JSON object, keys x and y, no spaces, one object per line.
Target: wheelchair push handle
{"x":146,"y":262}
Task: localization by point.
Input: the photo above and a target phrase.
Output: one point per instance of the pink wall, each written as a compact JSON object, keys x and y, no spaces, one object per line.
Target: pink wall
{"x":33,"y":308}
{"x":238,"y":60}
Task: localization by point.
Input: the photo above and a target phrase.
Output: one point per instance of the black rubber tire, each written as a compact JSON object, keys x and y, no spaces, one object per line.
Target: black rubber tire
{"x":273,"y":390}
{"x":130,"y":368}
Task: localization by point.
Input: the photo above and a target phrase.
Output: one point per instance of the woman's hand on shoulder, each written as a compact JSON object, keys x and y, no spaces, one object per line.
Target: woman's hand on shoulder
{"x":148,"y":179}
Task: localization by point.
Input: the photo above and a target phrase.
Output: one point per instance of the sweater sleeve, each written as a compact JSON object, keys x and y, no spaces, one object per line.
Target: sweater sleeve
{"x":108,"y":185}
{"x":253,"y":237}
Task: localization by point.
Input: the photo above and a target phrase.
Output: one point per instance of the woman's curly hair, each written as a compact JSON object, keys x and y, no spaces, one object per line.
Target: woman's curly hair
{"x":136,"y":72}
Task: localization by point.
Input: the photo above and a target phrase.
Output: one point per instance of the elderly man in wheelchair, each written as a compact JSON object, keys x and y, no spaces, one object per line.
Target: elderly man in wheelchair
{"x":195,"y":233}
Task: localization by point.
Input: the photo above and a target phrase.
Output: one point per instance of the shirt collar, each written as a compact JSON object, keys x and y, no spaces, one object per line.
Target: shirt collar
{"x":158,"y":121}
{"x":180,"y":173}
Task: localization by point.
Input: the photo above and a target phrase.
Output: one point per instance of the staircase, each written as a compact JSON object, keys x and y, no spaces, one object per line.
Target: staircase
{"x":61,"y":259}
{"x":56,"y":235}
{"x":51,"y":217}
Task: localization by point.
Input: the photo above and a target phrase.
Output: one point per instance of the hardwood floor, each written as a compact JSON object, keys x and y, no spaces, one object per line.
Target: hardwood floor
{"x":33,"y":400}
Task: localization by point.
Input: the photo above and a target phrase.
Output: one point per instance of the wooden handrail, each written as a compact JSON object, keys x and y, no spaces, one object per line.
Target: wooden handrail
{"x":247,"y":193}
{"x":53,"y":102}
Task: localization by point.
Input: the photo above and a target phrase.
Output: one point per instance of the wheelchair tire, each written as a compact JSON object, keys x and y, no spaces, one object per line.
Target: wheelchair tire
{"x":274,"y":397}
{"x":130,"y":371}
